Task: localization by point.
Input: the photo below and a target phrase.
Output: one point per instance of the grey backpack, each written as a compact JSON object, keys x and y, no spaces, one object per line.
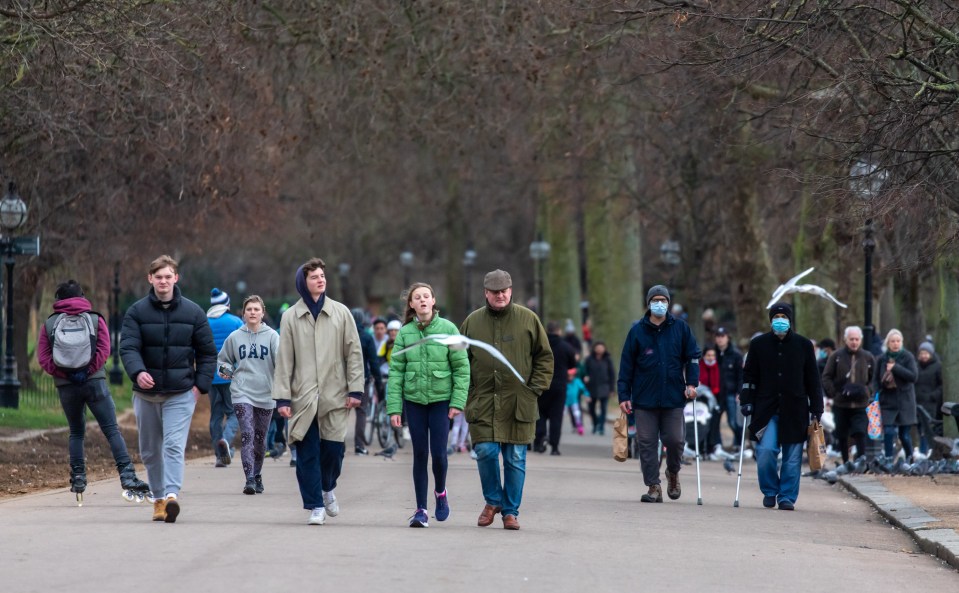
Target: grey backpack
{"x":73,"y":339}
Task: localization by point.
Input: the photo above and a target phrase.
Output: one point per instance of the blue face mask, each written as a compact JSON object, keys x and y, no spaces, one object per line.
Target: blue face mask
{"x":780,"y":325}
{"x":658,"y":309}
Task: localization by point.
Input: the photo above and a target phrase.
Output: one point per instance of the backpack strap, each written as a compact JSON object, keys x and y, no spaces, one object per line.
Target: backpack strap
{"x":50,"y":325}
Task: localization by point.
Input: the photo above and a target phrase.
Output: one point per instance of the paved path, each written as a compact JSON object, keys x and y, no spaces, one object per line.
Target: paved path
{"x":583,"y":531}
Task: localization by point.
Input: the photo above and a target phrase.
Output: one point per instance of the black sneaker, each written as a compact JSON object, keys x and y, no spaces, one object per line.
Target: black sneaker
{"x":785,"y":505}
{"x":258,"y":480}
{"x":360,"y":451}
{"x":769,"y":501}
{"x":250,"y":487}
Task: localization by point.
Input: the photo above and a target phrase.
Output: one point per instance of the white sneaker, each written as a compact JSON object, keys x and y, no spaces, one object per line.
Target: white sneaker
{"x":719,"y":454}
{"x":317,"y":516}
{"x":329,"y":501}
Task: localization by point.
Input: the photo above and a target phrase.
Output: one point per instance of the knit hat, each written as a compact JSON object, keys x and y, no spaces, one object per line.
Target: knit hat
{"x":218,"y":297}
{"x":784,"y":308}
{"x":928,"y":347}
{"x":658,"y":290}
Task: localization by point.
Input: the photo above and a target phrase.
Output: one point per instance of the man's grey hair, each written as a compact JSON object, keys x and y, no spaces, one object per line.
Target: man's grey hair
{"x":851,"y":329}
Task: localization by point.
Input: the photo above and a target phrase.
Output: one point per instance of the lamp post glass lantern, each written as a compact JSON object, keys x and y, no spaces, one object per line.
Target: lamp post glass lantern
{"x":469,"y":260}
{"x":539,"y":251}
{"x":406,"y":260}
{"x":13,"y":214}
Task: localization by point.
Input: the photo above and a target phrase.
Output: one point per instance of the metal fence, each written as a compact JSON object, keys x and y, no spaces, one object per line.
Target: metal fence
{"x":43,"y":394}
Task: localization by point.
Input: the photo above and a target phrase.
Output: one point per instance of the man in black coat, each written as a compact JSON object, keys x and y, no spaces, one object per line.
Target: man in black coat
{"x":552,"y":402}
{"x":168,"y":351}
{"x":781,"y":389}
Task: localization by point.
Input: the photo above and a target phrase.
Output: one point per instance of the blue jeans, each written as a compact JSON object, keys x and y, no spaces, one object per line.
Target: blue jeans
{"x":429,"y":430}
{"x":784,"y":483}
{"x":507,"y":494}
{"x":221,"y":404}
{"x":889,"y":439}
{"x":95,"y":395}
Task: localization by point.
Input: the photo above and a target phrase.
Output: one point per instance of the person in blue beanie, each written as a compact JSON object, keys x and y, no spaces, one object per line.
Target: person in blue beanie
{"x":223,"y":422}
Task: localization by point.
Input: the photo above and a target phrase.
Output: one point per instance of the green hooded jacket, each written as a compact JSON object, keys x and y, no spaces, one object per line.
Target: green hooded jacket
{"x":501,"y":409}
{"x":428,"y":373}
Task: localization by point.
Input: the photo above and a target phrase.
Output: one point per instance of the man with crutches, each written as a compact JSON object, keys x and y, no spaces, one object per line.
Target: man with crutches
{"x":658,"y":372}
{"x":781,"y":390}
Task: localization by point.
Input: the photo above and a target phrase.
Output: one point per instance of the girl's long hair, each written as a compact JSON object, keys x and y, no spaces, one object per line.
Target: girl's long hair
{"x":408,"y":295}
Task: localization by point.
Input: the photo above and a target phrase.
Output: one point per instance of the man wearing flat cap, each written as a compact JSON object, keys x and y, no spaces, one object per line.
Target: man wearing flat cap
{"x":658,"y":372}
{"x":781,"y":389}
{"x":502,"y":410}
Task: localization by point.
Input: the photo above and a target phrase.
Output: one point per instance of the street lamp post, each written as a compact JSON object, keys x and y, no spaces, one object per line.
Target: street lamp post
{"x":866,"y":181}
{"x":406,"y":260}
{"x":13,"y":214}
{"x":669,"y":253}
{"x":539,"y":251}
{"x":344,"y":271}
{"x":116,"y":373}
{"x":469,"y":259}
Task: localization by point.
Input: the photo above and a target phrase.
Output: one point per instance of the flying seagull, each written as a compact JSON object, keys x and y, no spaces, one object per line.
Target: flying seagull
{"x":784,"y":289}
{"x":791,"y":286}
{"x":459,"y":342}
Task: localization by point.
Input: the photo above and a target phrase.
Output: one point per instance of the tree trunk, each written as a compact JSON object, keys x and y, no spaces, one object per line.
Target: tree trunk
{"x":614,"y":270}
{"x":948,"y":333}
{"x":561,"y":284}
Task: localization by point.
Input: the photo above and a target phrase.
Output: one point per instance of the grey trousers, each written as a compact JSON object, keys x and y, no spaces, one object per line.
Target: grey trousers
{"x":656,"y":425}
{"x":164,"y":428}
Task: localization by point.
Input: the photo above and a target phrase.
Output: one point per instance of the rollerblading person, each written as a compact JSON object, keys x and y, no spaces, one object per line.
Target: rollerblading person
{"x":73,"y":348}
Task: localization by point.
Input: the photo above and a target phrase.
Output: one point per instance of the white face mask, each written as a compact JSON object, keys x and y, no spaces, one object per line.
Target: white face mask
{"x":658,"y":308}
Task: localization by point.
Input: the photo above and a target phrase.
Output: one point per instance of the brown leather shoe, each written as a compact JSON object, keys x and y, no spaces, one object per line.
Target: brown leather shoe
{"x":159,"y":509}
{"x":486,"y":517}
{"x":673,"y":488}
{"x":655,"y":494}
{"x":510,"y":522}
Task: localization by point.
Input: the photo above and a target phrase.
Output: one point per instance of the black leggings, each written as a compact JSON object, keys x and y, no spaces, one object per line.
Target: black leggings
{"x":429,"y":430}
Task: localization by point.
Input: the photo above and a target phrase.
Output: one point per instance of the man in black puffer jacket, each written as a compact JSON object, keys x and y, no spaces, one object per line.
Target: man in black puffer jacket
{"x":168,"y":351}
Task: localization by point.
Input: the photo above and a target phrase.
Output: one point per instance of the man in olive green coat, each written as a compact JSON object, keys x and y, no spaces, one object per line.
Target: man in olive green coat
{"x":501,"y":410}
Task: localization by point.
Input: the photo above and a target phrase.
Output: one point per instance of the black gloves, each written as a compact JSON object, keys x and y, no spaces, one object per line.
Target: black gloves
{"x":746,"y":409}
{"x":77,"y":377}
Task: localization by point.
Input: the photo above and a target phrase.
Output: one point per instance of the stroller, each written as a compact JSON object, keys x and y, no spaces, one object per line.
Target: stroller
{"x":705,"y":407}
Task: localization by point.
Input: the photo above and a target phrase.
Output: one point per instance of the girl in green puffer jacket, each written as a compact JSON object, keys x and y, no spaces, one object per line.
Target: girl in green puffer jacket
{"x":433,"y":382}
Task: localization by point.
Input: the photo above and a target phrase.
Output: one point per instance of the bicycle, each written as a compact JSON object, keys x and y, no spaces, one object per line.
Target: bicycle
{"x":378,"y":423}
